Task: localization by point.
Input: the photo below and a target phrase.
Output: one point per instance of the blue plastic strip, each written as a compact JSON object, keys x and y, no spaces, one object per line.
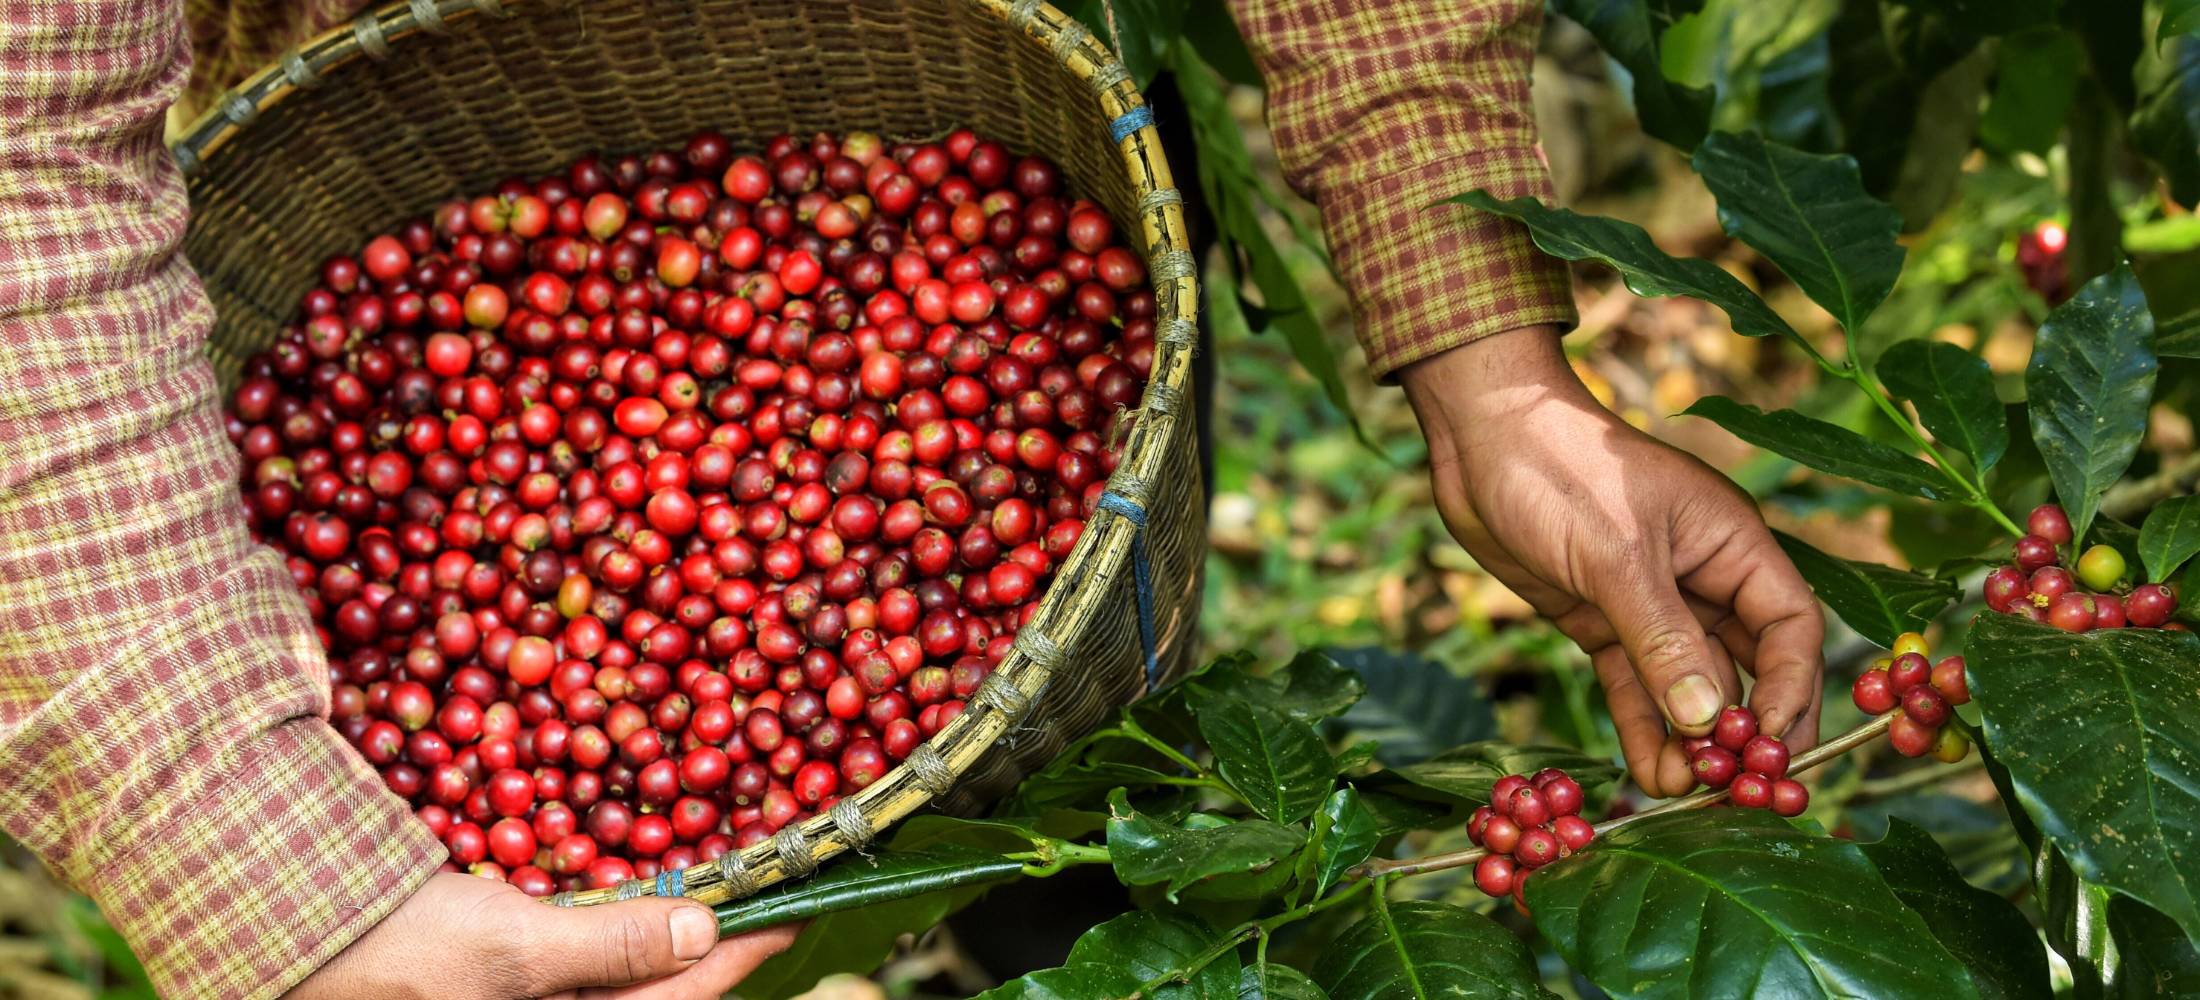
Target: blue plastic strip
{"x":1130,"y":121}
{"x":1141,"y":575}
{"x":672,"y":882}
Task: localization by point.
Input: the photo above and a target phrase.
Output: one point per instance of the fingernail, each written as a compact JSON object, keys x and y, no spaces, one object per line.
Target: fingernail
{"x":694,"y":931}
{"x":1692,"y":701}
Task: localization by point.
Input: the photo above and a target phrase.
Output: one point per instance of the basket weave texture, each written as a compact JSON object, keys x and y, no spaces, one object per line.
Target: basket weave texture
{"x":422,"y":101}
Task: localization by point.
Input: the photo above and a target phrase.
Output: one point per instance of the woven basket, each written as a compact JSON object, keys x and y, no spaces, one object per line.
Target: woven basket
{"x":422,"y":101}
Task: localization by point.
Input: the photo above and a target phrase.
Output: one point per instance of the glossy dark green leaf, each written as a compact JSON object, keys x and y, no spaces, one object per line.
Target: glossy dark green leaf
{"x":1069,"y":982}
{"x":1157,"y":947}
{"x":1276,"y":763}
{"x":1356,"y":756}
{"x":859,"y":929}
{"x":1628,"y":31}
{"x":1982,"y":930}
{"x":864,"y":880}
{"x":1345,"y":833}
{"x":1809,"y":215}
{"x":1826,"y":447}
{"x":1646,"y":269}
{"x":1879,"y":602}
{"x":2166,"y":126}
{"x":1416,"y":950}
{"x":2170,"y":536}
{"x":1883,"y":61}
{"x":1736,"y":903}
{"x":2088,"y":386}
{"x":1085,"y":783}
{"x":1412,"y":706}
{"x":2100,"y":734}
{"x":1309,"y":688}
{"x":1147,"y":851}
{"x":1395,"y":814}
{"x":1467,"y":773}
{"x":1270,"y":981}
{"x":1953,"y":390}
{"x":2035,"y":80}
{"x":2154,"y":957}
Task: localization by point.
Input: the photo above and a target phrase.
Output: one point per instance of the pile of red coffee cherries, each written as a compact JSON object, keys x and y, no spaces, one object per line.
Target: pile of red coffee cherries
{"x":1750,"y":765}
{"x":1529,"y":823}
{"x":2038,"y":587}
{"x":651,"y":506}
{"x":1927,"y":694}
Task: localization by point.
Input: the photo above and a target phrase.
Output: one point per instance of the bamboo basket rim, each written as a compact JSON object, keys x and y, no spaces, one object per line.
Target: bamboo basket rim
{"x":1100,"y":556}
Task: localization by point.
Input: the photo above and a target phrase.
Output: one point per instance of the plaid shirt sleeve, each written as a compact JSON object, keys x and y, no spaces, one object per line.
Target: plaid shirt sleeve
{"x":163,"y":698}
{"x":1380,"y":110}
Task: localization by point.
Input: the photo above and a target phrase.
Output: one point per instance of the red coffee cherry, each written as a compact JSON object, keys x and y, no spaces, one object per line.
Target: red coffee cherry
{"x":1715,"y":766}
{"x":1874,"y":693}
{"x":1767,"y":756}
{"x":1734,"y":728}
{"x":1751,"y":791}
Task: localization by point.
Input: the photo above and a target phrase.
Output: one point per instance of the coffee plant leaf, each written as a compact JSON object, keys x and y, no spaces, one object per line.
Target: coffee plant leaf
{"x":1736,"y":903}
{"x":857,"y":909}
{"x":1809,"y":215}
{"x":1982,"y":930}
{"x":2154,"y":957}
{"x":1628,"y":32}
{"x":1345,"y":833}
{"x":2110,"y":776}
{"x":1278,"y":764}
{"x":864,"y":880}
{"x":1467,"y":773}
{"x":1423,"y":950}
{"x":1269,"y":981}
{"x":1412,"y":706}
{"x":1080,"y":783}
{"x":1879,"y":602}
{"x":1085,"y":981}
{"x":1647,"y":270}
{"x":1396,"y":814}
{"x":1829,"y":448}
{"x":2073,"y":914}
{"x":2088,"y":385}
{"x":1147,"y":851}
{"x":2170,"y":536}
{"x":1152,"y":945}
{"x":2166,"y":126}
{"x":1311,"y":686}
{"x":1953,"y":390}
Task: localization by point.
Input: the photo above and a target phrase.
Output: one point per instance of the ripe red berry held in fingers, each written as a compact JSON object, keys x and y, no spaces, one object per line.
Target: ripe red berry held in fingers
{"x":653,"y":505}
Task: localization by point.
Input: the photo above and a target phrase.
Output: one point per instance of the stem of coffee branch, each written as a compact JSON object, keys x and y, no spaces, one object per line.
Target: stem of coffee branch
{"x":1803,"y":762}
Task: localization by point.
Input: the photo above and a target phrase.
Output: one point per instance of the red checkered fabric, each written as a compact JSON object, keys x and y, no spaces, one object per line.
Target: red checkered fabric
{"x":1381,"y":109}
{"x":163,"y":699}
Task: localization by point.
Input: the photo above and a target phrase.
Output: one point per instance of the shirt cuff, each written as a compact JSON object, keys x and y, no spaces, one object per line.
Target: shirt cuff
{"x":1428,"y":277}
{"x":236,"y":863}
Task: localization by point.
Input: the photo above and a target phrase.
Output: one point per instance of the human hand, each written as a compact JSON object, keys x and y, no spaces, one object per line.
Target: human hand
{"x":465,"y":938}
{"x":1660,"y":568}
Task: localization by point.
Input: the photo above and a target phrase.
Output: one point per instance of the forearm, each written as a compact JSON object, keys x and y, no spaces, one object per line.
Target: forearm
{"x":162,"y":694}
{"x":1379,"y":112}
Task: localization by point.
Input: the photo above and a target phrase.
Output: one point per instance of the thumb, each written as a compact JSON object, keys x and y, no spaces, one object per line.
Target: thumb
{"x":1670,"y":654}
{"x":614,"y":944}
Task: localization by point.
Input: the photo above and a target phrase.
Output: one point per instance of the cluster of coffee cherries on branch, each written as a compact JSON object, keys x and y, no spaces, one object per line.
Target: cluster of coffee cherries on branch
{"x":648,"y":507}
{"x":2037,"y":586}
{"x":1926,"y":692}
{"x":1751,"y":766}
{"x":1529,"y":823}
